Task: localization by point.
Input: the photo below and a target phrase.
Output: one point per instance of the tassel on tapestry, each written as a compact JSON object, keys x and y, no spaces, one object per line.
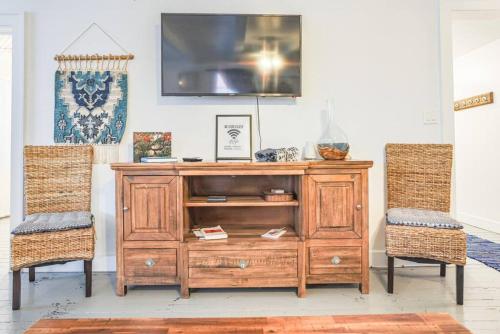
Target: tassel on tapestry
{"x":91,"y":94}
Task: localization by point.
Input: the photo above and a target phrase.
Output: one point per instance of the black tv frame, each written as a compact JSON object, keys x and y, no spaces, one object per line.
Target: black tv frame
{"x":234,"y":94}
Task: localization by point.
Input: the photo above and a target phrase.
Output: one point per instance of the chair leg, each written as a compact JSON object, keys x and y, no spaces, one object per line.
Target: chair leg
{"x":32,"y":274}
{"x":390,"y":274}
{"x":87,"y":268}
{"x":460,"y":285}
{"x":442,"y":270}
{"x":16,"y":290}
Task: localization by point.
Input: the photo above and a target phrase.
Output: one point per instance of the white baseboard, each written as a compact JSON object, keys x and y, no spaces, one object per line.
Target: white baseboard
{"x":483,"y":223}
{"x":99,"y":264}
{"x":378,"y":259}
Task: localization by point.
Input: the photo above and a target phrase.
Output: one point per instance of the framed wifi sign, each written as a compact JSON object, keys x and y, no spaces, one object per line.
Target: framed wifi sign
{"x":233,"y":137}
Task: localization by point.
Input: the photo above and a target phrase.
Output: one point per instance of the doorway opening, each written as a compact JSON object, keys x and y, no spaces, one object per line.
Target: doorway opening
{"x":5,"y":119}
{"x":476,"y":64}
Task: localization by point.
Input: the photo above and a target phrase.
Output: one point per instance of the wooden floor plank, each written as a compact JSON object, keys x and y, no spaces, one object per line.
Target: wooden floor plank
{"x":424,"y":323}
{"x":61,"y":295}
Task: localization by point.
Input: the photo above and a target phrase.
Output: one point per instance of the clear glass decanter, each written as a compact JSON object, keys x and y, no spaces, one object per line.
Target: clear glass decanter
{"x":333,"y":144}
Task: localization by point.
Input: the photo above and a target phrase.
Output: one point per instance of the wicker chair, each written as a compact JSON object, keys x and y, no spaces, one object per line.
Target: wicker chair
{"x":419,"y":176}
{"x":58,"y":226}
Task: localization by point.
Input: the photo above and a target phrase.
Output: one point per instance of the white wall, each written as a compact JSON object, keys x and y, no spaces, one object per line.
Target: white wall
{"x":474,"y":29}
{"x":5,"y":118}
{"x":379,"y":60}
{"x":477,"y":138}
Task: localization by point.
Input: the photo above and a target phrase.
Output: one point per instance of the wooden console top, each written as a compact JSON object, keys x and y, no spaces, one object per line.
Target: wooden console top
{"x":298,"y":165}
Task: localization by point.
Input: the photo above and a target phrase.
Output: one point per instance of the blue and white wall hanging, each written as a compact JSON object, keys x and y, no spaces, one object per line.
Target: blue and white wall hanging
{"x":91,"y":93}
{"x":90,"y":107}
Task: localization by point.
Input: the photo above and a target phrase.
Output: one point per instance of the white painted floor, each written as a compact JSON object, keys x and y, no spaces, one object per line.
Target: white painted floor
{"x":416,"y":290}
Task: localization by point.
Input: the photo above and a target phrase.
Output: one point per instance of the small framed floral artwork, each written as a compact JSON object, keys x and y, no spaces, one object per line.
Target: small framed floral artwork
{"x":233,"y":137}
{"x":152,"y":144}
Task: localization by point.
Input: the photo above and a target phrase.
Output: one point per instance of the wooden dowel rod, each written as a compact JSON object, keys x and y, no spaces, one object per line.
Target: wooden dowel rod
{"x":92,"y":57}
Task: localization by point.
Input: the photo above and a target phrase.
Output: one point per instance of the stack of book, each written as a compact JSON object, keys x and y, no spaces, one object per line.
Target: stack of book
{"x":158,"y":159}
{"x":210,"y":233}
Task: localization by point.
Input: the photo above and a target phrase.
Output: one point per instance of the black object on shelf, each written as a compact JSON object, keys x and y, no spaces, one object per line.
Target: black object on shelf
{"x":192,"y":159}
{"x":216,"y":199}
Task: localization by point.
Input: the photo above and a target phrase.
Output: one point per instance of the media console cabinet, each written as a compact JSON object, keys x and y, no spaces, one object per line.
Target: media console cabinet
{"x":157,"y":205}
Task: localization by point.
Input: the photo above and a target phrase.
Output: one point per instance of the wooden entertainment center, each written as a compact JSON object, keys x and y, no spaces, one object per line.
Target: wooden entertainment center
{"x":157,"y":205}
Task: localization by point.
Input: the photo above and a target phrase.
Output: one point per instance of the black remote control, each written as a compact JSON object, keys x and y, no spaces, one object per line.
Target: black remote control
{"x":192,"y":159}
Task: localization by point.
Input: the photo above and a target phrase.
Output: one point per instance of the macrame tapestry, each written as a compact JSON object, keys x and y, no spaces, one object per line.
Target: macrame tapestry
{"x":91,"y":99}
{"x":90,"y":106}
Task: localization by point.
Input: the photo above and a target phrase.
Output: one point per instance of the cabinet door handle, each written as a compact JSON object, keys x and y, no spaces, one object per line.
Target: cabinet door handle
{"x":149,"y":263}
{"x":335,"y":260}
{"x":358,"y":207}
{"x":243,"y":264}
{"x":125,"y":208}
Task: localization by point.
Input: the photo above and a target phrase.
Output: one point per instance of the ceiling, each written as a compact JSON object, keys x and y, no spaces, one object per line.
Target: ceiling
{"x":474,"y":29}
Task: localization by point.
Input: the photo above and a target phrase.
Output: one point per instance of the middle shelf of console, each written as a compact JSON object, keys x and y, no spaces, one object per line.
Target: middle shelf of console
{"x":245,"y":213}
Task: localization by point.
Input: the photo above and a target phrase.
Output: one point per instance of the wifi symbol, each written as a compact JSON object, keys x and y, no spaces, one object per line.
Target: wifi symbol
{"x":234,"y":133}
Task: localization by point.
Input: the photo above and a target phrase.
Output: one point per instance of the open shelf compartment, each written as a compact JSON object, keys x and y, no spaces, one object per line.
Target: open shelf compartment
{"x":245,"y":214}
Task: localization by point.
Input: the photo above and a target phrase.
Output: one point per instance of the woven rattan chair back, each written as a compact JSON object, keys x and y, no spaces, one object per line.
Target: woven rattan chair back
{"x":57,"y":178}
{"x":419,"y":176}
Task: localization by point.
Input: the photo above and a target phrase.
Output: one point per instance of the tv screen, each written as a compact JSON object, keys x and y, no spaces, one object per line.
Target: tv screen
{"x":206,"y":54}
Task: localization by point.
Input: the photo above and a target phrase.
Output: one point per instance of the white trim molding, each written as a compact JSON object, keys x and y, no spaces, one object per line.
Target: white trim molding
{"x":16,"y":22}
{"x":481,"y":222}
{"x":101,"y":263}
{"x":378,"y":259}
{"x":447,"y":8}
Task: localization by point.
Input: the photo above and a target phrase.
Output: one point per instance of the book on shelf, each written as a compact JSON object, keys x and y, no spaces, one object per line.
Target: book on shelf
{"x":197,"y":233}
{"x":158,"y":159}
{"x":274,"y":233}
{"x":210,"y":233}
{"x":216,"y":199}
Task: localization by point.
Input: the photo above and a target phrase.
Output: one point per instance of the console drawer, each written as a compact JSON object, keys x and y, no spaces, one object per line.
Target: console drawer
{"x":150,"y":265}
{"x":243,"y":264}
{"x":334,"y":260}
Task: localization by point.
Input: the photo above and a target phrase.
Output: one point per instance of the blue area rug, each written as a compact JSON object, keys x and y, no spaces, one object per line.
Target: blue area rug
{"x":485,"y":251}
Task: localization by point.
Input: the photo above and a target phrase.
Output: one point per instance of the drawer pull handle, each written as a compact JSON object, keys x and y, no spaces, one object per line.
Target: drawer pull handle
{"x":335,"y":260}
{"x":125,"y":209}
{"x":243,"y":264}
{"x":358,"y":207}
{"x":150,"y":263}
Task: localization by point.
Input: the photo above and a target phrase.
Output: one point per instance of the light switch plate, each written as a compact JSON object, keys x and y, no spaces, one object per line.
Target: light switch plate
{"x":431,"y":117}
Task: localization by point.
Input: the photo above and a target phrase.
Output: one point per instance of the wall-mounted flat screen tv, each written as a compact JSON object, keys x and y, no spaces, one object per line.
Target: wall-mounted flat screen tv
{"x":208,"y":54}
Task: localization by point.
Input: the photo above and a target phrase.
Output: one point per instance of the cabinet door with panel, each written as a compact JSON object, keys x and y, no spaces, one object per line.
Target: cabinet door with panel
{"x":335,"y":206}
{"x":149,"y":208}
